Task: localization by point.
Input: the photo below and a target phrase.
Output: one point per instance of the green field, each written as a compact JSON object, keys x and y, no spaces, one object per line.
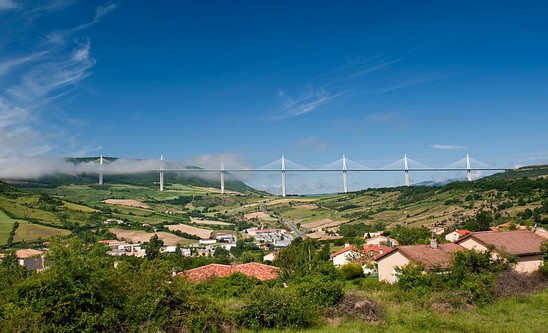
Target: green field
{"x":6,"y":224}
{"x":27,"y":232}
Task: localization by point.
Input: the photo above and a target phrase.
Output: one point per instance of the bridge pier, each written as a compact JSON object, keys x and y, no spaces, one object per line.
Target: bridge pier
{"x":222,"y":178}
{"x":161,"y":173}
{"x":406,"y":170}
{"x":468,"y":168}
{"x":101,"y":170}
{"x":345,"y":180}
{"x":283,"y":177}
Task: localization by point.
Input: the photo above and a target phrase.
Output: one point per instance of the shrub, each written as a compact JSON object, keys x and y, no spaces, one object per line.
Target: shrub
{"x":319,"y":290}
{"x":352,"y":271}
{"x":277,"y":308}
{"x":355,"y":306}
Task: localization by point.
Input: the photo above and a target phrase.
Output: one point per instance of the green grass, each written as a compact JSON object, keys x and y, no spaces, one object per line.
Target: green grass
{"x":6,"y":224}
{"x":30,"y":232}
{"x":514,"y":314}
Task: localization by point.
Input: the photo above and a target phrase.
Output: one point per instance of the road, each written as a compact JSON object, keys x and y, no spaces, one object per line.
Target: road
{"x":263,"y":209}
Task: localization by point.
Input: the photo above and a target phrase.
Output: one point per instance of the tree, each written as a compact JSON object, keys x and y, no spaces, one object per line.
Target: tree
{"x":153,"y":247}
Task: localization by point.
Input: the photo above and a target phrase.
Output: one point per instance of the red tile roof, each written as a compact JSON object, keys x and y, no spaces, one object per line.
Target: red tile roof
{"x":463,"y":232}
{"x":426,"y":255}
{"x":346,"y":249}
{"x":516,"y":242}
{"x":253,"y":269}
{"x":376,"y":250}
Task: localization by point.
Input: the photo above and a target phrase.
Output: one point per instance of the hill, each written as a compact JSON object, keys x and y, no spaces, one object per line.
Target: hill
{"x":141,"y":178}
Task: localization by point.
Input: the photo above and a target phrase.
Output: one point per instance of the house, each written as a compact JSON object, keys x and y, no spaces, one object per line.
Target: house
{"x":252,"y":270}
{"x":523,"y":244}
{"x":541,"y":232}
{"x":382,"y":240}
{"x":456,"y":235}
{"x":31,"y":259}
{"x":112,"y":243}
{"x":223,"y":237}
{"x":374,"y":251}
{"x":270,"y":256}
{"x":345,"y":255}
{"x":429,"y":256}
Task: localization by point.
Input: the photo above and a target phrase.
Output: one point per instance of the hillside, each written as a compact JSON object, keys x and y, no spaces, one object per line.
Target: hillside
{"x":149,"y":179}
{"x":66,"y":205}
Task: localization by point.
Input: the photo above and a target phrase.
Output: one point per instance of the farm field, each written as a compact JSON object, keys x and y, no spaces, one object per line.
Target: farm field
{"x":6,"y":224}
{"x":200,"y":232}
{"x":139,"y":236}
{"x":27,"y":232}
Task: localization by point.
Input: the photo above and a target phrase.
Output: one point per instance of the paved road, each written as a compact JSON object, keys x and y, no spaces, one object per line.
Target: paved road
{"x":262,"y":208}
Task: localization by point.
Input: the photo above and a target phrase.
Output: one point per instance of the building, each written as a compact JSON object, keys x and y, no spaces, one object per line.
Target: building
{"x":456,"y":235}
{"x":31,"y":259}
{"x":523,"y":244}
{"x":345,"y":255}
{"x":112,"y":243}
{"x":382,"y":240}
{"x":431,"y":257}
{"x":252,"y":270}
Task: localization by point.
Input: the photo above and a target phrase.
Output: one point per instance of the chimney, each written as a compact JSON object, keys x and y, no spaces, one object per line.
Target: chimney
{"x":433,"y":243}
{"x":346,"y":245}
{"x":173,"y":272}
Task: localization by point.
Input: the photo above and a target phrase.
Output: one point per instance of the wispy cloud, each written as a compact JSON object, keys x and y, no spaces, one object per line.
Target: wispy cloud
{"x":294,"y":107}
{"x":7,"y":4}
{"x":32,"y":81}
{"x":447,"y":147}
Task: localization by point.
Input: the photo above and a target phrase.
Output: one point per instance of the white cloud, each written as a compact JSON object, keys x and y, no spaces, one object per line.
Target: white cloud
{"x":447,"y":147}
{"x":294,"y":107}
{"x":49,"y":70}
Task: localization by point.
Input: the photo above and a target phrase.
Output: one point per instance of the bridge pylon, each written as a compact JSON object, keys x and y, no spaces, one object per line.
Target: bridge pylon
{"x":345,"y":180}
{"x":283,"y":177}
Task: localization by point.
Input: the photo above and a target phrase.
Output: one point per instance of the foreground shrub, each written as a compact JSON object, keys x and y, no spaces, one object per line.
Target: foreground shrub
{"x":277,"y":308}
{"x":352,"y":271}
{"x":319,"y":290}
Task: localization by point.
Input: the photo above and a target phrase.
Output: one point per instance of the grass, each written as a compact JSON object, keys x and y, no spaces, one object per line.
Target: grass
{"x":6,"y":224}
{"x":81,"y":208}
{"x":32,"y":232}
{"x":513,"y":314}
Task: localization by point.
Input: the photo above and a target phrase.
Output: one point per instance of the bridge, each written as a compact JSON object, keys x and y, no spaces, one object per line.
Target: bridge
{"x":343,"y":165}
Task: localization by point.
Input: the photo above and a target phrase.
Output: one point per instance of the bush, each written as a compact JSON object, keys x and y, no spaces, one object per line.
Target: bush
{"x":319,"y":290}
{"x":352,"y":271}
{"x":277,"y":308}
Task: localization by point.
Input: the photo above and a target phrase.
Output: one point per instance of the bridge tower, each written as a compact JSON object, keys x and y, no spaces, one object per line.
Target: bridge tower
{"x":406,"y":170}
{"x":222,"y":178}
{"x":468,"y":168}
{"x":161,"y":173}
{"x":345,"y":181}
{"x":283,"y":177}
{"x":101,"y":162}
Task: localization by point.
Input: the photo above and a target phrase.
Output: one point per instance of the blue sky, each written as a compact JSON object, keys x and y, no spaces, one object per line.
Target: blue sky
{"x":247,"y":81}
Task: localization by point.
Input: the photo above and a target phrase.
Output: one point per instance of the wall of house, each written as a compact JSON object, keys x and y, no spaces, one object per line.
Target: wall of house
{"x":387,"y":266}
{"x":528,"y":264}
{"x":452,"y":237}
{"x":345,"y":258}
{"x":472,"y":244}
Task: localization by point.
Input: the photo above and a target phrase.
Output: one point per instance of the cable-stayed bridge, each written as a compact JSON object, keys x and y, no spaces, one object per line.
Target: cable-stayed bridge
{"x":343,"y":165}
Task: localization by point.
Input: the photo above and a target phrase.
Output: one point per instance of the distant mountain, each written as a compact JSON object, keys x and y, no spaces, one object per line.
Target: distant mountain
{"x":147,"y":178}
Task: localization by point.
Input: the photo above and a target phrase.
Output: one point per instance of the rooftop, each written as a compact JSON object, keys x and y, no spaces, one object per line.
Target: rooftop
{"x":428,"y":256}
{"x":516,"y":242}
{"x":253,"y":269}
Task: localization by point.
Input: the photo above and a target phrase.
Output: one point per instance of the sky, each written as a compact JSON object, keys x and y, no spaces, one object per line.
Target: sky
{"x":245,"y":82}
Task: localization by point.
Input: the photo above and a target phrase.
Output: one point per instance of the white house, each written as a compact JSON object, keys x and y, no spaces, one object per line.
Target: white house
{"x":382,"y":240}
{"x":456,"y":235}
{"x":345,"y":255}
